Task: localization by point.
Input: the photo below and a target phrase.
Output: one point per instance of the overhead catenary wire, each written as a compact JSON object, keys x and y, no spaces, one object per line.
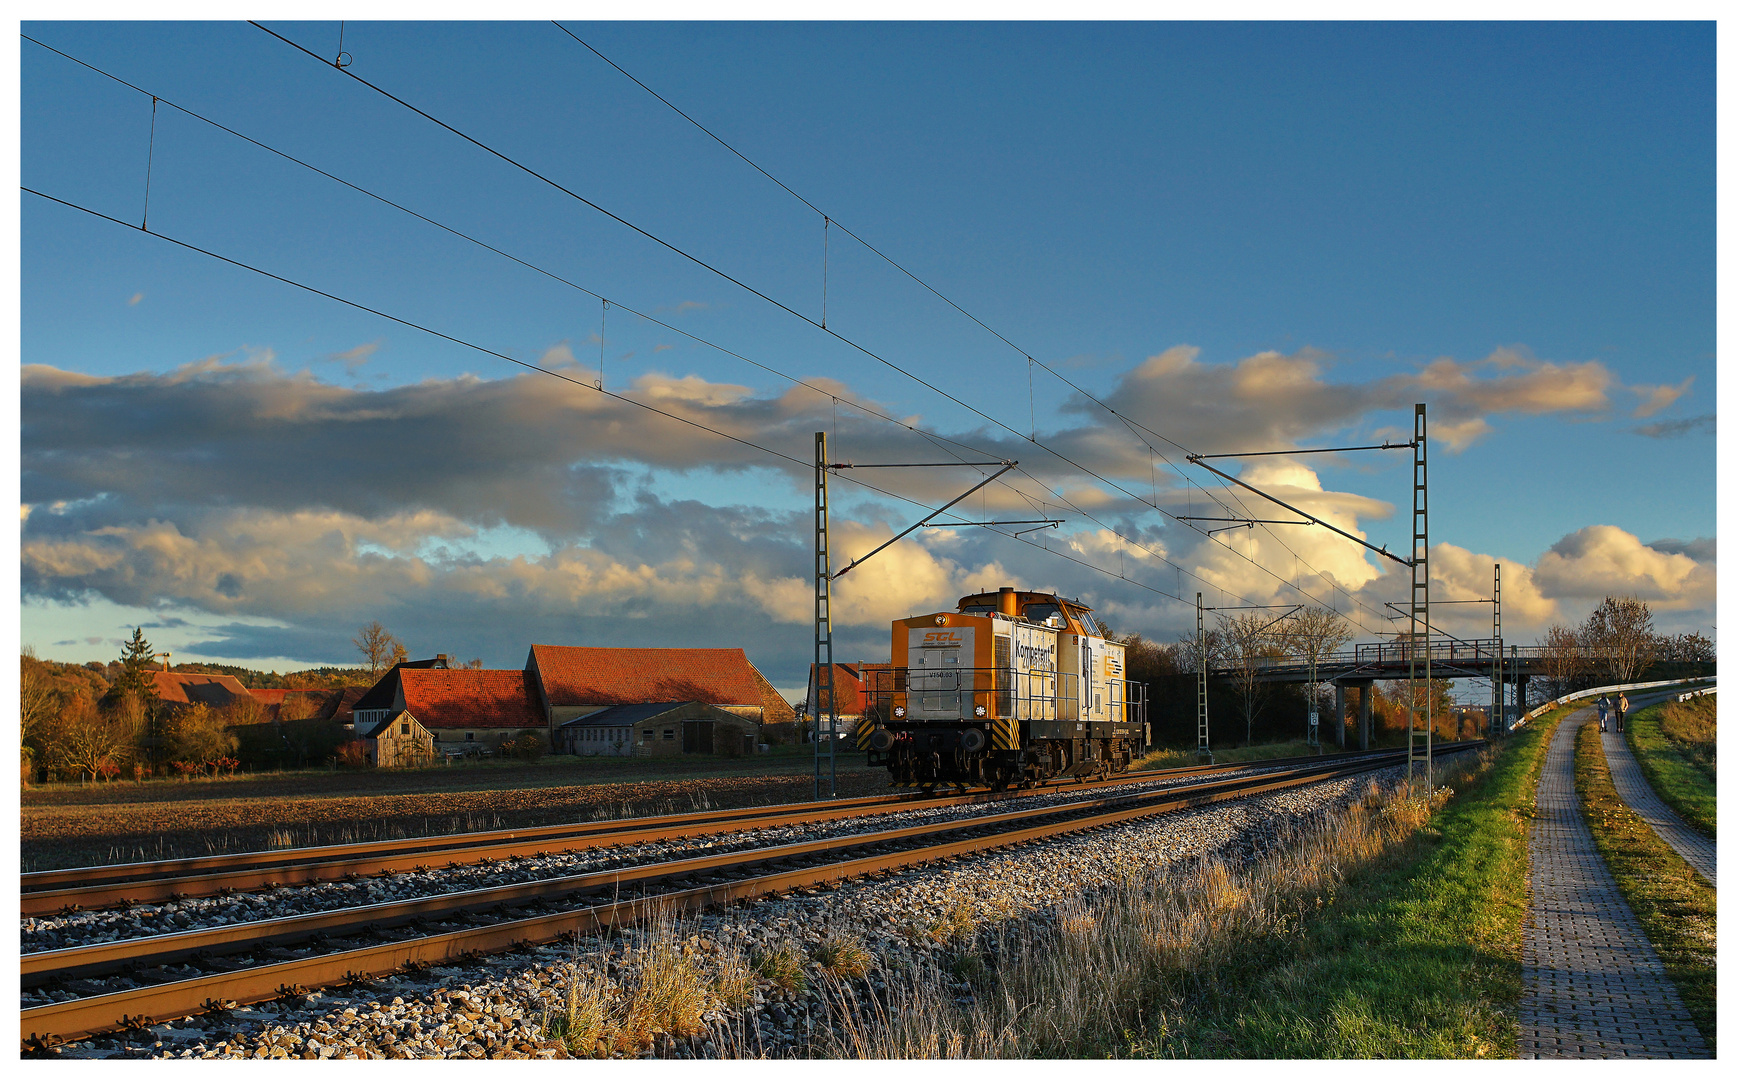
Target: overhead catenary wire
{"x":538,"y":368}
{"x":780,"y":305}
{"x":828,"y":221}
{"x":933,"y":438}
{"x":940,"y":441}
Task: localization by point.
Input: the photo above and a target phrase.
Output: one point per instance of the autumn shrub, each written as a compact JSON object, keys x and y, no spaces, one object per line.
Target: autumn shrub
{"x":353,"y":755}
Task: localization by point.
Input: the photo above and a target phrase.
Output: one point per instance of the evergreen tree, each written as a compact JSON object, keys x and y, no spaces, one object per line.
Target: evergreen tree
{"x":137,"y":662}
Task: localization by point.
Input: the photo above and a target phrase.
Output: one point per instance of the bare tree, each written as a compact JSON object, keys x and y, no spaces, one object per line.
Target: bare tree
{"x":1248,"y":646}
{"x":1565,"y":663}
{"x":91,"y":739}
{"x":1619,"y":635}
{"x":1690,"y":648}
{"x":381,"y":648}
{"x":1188,"y":652}
{"x":1313,"y":634}
{"x":38,"y":701}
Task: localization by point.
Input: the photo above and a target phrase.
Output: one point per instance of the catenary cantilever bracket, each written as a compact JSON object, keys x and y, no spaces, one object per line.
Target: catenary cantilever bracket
{"x":854,"y":563}
{"x":1382,"y":551}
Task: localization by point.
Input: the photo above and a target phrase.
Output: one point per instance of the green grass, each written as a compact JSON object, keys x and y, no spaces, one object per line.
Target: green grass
{"x":1175,"y":759}
{"x":1416,"y":956}
{"x":1676,"y":908}
{"x":1686,"y":785}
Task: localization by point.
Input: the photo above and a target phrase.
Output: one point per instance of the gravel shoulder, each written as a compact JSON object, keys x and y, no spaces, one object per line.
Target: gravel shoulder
{"x":502,"y":1006}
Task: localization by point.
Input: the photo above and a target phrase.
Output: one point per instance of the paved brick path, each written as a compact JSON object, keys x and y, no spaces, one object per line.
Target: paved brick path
{"x":1594,"y":986}
{"x":1630,"y":783}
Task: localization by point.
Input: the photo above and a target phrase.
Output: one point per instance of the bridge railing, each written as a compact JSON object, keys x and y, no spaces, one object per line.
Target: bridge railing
{"x":1389,"y":654}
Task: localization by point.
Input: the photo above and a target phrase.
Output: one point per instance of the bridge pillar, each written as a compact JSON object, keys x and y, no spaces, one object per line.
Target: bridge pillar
{"x":1365,"y":714}
{"x":1520,"y":691}
{"x":1339,"y":714}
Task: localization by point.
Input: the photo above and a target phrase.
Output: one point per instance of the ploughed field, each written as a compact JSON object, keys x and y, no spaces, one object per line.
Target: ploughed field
{"x":69,"y":825}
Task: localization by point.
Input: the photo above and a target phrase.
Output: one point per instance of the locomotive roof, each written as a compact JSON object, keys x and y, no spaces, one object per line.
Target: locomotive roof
{"x":1025,"y":597}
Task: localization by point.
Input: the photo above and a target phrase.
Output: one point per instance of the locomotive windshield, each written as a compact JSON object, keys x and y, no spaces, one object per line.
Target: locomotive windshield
{"x":1090,"y":624}
{"x":1044,"y":613}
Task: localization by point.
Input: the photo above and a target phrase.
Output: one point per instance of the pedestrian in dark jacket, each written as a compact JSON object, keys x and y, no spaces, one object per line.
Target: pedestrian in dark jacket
{"x":1621,"y":710}
{"x":1603,"y":710}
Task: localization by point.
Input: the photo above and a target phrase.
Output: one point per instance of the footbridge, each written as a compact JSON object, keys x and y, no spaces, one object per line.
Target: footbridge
{"x":1359,"y":668}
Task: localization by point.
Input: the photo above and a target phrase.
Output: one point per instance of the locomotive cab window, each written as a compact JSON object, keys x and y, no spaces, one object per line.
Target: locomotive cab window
{"x":1048,"y":614}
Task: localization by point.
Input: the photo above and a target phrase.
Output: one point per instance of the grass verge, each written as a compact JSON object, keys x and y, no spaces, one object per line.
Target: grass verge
{"x":1390,"y":930}
{"x":1682,"y":769}
{"x":1174,"y":759}
{"x":1676,"y":909}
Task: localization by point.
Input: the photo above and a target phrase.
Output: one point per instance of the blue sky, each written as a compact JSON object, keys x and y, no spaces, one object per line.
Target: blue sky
{"x":1513,"y":222}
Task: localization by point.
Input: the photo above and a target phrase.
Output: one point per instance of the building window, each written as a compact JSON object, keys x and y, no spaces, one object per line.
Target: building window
{"x":669,"y":733}
{"x":470,"y":736}
{"x":403,"y":729}
{"x":645,"y":735}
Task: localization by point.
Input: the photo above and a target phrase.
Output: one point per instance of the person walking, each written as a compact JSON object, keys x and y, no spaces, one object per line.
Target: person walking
{"x":1621,"y":709}
{"x":1603,"y":710}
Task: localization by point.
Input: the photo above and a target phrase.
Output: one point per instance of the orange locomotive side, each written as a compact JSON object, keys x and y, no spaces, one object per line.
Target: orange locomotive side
{"x":1011,"y":688}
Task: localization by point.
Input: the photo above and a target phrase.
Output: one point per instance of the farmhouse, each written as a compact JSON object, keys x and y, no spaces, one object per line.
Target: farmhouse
{"x":456,"y":706}
{"x":657,"y":701}
{"x":574,"y":681}
{"x":658,"y":729}
{"x":178,"y":690}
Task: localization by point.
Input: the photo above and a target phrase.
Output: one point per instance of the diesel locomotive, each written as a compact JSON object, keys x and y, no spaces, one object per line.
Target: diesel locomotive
{"x":1012,"y":688}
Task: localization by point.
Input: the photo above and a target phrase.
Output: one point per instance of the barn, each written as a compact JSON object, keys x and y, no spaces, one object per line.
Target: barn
{"x":658,"y":729}
{"x":644,"y":702}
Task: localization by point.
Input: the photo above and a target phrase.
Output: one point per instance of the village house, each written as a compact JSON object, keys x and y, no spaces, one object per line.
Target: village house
{"x":658,"y":729}
{"x":177,"y":690}
{"x":630,"y":701}
{"x":463,"y":708}
{"x":575,"y":680}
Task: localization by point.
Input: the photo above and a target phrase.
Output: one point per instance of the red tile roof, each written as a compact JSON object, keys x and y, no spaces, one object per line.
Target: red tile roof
{"x":583,"y":675}
{"x":471,"y":698}
{"x":183,"y":688}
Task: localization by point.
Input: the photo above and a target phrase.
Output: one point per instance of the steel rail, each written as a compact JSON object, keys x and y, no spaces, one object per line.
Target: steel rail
{"x":103,"y":957}
{"x":53,"y":891}
{"x":48,"y":1025}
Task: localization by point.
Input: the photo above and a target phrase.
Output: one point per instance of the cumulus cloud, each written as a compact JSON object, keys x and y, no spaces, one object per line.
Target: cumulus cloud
{"x":1602,"y":560}
{"x":1274,"y":400}
{"x":239,"y":490}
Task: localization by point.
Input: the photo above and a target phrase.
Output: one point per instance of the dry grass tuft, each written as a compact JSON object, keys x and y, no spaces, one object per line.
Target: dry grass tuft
{"x":733,"y":981}
{"x":1125,"y":959}
{"x":784,"y":967}
{"x":844,"y":957}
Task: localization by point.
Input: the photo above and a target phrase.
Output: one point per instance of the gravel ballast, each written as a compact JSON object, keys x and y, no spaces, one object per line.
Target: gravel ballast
{"x":497,"y":1007}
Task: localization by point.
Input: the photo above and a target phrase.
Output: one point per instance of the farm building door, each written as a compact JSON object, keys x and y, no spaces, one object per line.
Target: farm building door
{"x":697,"y":736}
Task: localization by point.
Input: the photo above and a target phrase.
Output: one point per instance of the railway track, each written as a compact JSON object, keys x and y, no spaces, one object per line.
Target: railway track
{"x":92,"y":887}
{"x":196,"y":971}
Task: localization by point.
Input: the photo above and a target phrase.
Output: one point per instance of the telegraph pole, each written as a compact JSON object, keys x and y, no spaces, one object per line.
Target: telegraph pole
{"x":823,"y":690}
{"x":1203,"y":743}
{"x":1419,"y":605}
{"x":1499,"y":693}
{"x":823,"y":576}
